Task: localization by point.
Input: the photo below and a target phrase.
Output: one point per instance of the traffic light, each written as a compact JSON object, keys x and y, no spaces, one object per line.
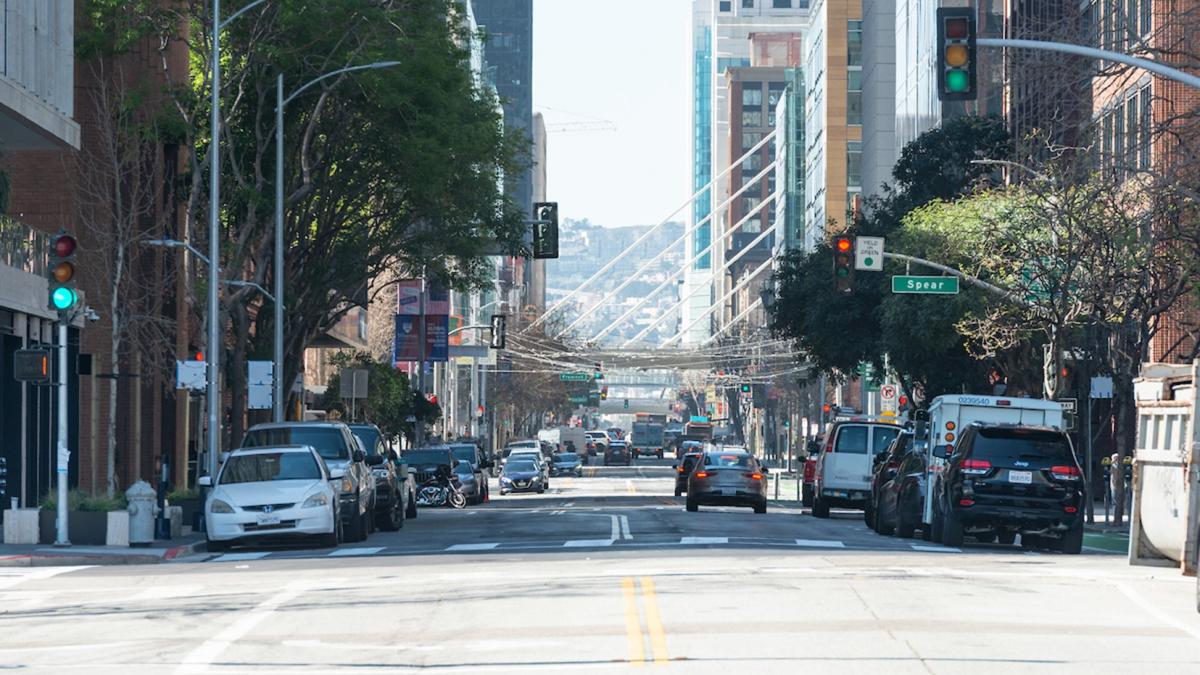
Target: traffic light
{"x":545,"y":230}
{"x":745,"y":388}
{"x":60,"y":275}
{"x":956,"y":54}
{"x":843,"y":264}
{"x":603,"y":393}
{"x":626,"y":403}
{"x":31,"y":365}
{"x":499,"y":331}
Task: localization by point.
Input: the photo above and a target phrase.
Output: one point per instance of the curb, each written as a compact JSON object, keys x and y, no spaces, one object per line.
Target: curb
{"x":119,"y":557}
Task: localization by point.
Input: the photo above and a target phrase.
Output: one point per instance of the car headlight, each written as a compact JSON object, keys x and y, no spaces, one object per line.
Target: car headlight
{"x":218,"y":506}
{"x":318,"y":499}
{"x":347,"y":485}
{"x":505,"y":479}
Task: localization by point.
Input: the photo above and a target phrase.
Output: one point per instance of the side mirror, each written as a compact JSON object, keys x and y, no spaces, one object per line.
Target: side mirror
{"x":337,"y":474}
{"x":375,"y":460}
{"x":358,"y":455}
{"x":940,"y":451}
{"x":204,"y":481}
{"x":674,"y":466}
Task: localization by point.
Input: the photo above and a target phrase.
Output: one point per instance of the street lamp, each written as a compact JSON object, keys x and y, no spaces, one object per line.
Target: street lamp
{"x":280,"y":102}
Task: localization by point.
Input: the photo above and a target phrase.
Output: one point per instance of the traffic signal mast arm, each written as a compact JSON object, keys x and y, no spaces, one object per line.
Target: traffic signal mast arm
{"x":1091,"y":52}
{"x":974,"y":281}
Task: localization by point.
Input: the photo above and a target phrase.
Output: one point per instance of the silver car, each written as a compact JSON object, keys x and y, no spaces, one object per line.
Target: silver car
{"x":727,"y":477}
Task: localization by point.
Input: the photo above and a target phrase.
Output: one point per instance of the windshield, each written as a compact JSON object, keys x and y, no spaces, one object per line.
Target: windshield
{"x":465,"y":469}
{"x":1005,"y":446}
{"x":465,"y":453}
{"x":369,"y":437}
{"x":427,"y":457}
{"x":327,"y":441}
{"x":520,"y":465}
{"x":566,"y":457}
{"x":729,"y":460}
{"x":270,"y":466}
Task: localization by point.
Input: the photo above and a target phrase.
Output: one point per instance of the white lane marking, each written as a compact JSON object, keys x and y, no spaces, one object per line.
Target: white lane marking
{"x":343,"y":552}
{"x":200,"y":658}
{"x":586,"y":543}
{"x":1155,"y":612}
{"x":820,"y":543}
{"x":19,"y":575}
{"x":704,"y":540}
{"x":625,"y":528}
{"x":473,"y":547}
{"x":568,"y":505}
{"x":936,"y":549}
{"x":79,"y":647}
{"x":234,"y":557}
{"x":616,"y":527}
{"x":167,"y":592}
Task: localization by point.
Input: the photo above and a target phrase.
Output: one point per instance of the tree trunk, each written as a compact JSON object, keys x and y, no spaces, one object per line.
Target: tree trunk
{"x":115,"y":317}
{"x":1125,"y":416}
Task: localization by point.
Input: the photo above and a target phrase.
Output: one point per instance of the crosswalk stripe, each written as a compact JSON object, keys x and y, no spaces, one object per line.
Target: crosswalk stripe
{"x":704,"y":540}
{"x":472,"y":547}
{"x":936,"y":549}
{"x":820,"y":543}
{"x":587,"y":543}
{"x":344,"y":552}
{"x":234,"y":557}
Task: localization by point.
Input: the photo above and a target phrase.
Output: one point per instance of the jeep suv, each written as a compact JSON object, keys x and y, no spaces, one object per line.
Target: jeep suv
{"x":1005,"y":480}
{"x":335,"y":443}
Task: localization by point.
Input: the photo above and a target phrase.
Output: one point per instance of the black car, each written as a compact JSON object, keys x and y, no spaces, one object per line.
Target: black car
{"x":683,"y":470}
{"x":1005,"y":480}
{"x":391,"y":493}
{"x":898,"y":488}
{"x":566,"y":464}
{"x":617,"y":452}
{"x":522,"y":474}
{"x":473,"y":455}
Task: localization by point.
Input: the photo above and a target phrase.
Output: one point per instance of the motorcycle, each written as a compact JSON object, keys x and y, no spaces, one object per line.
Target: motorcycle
{"x":440,"y":490}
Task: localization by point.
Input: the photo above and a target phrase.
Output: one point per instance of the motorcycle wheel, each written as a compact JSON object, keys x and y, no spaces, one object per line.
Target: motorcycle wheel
{"x":457,"y":500}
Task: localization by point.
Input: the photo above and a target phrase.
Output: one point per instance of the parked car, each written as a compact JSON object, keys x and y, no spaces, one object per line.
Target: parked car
{"x":843,"y":470}
{"x":727,"y":477}
{"x":471,"y":482}
{"x":512,"y":446}
{"x":474,"y":455}
{"x":1005,"y":480}
{"x":335,"y":443}
{"x":683,"y":470}
{"x":522,"y":474}
{"x":901,"y":500}
{"x":423,"y":463}
{"x":885,"y":470}
{"x":617,"y":452}
{"x":566,"y":464}
{"x":271,"y":493}
{"x":392,"y":499}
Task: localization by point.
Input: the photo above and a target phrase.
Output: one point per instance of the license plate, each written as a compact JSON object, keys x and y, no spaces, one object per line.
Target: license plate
{"x":729,"y":493}
{"x":268,"y":520}
{"x":1022,"y":477}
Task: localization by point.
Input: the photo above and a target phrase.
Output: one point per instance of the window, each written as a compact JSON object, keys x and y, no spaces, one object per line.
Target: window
{"x":851,"y":440}
{"x":752,"y":226}
{"x":1144,"y":16}
{"x":751,"y":95}
{"x":752,"y":118}
{"x":749,"y":204}
{"x":854,"y":97}
{"x":750,"y":139}
{"x":854,"y":164}
{"x":724,"y":6}
{"x":774,"y":94}
{"x":1118,"y":145}
{"x":747,"y":4}
{"x":1147,"y":128}
{"x":854,"y":43}
{"x":781,"y":4}
{"x":1135,"y":132}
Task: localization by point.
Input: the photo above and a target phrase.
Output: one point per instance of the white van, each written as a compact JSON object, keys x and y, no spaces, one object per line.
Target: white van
{"x":950,"y":415}
{"x":844,"y":467}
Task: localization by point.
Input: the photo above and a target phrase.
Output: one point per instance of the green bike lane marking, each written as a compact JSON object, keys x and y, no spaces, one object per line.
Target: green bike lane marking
{"x":1107,"y":541}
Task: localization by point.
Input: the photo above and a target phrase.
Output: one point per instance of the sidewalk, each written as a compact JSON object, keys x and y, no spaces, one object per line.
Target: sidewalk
{"x":36,"y":555}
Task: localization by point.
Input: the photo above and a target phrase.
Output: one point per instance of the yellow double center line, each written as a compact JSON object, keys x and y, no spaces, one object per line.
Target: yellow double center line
{"x":633,"y":624}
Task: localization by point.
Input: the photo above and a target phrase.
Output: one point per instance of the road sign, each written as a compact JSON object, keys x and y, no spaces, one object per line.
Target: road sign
{"x":191,"y":375}
{"x":1069,"y":405}
{"x":889,"y":394}
{"x":579,"y":400}
{"x":868,"y":254}
{"x":903,"y":283}
{"x":573,"y":377}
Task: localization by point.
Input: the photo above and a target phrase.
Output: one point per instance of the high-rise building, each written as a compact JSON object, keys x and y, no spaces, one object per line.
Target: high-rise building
{"x":879,"y":94}
{"x":721,"y":31}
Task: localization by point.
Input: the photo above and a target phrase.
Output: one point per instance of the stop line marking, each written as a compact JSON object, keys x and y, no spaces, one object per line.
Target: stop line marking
{"x":704,"y":540}
{"x":345,"y":552}
{"x":936,"y":549}
{"x":820,"y":543}
{"x":587,"y":543}
{"x":473,"y":547}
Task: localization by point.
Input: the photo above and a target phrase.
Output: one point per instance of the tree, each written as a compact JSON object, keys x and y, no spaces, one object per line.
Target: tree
{"x":390,"y":401}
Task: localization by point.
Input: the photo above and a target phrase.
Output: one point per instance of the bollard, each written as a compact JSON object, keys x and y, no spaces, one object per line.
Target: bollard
{"x":776,"y":485}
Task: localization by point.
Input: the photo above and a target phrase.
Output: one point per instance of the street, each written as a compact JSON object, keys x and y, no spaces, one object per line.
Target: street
{"x":604,"y":573}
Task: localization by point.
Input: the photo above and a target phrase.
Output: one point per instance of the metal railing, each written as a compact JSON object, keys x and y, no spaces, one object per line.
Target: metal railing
{"x":23,"y":247}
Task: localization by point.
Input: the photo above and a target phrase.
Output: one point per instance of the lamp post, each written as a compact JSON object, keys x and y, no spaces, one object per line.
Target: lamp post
{"x":281,"y":101}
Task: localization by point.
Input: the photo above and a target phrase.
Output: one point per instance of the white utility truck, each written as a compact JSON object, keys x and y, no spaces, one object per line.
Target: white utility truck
{"x":949,"y":416}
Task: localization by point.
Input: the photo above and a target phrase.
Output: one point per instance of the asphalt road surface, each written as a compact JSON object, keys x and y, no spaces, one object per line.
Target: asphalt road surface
{"x":607,"y":573}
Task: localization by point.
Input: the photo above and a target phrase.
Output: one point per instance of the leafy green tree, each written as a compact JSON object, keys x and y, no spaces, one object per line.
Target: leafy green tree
{"x":390,"y":400}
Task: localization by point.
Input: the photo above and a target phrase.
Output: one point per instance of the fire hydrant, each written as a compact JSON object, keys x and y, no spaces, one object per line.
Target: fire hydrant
{"x":142,"y":510}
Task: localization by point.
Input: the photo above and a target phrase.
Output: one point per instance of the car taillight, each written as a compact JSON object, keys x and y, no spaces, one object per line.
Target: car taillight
{"x":701,"y":474}
{"x":1065,"y":472}
{"x":975,"y":467}
{"x":966,"y":502}
{"x":1070,"y":509}
{"x":892,"y":466}
{"x":679,"y":469}
{"x":755,"y":475}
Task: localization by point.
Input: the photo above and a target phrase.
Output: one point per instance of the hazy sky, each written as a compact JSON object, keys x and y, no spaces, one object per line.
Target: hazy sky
{"x":628,"y":62}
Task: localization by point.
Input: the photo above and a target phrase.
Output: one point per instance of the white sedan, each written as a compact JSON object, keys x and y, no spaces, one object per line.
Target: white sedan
{"x":270,"y":493}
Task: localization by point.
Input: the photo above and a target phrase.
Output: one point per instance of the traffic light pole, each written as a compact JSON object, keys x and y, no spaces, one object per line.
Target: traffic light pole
{"x":64,"y":454}
{"x":1100,"y":54}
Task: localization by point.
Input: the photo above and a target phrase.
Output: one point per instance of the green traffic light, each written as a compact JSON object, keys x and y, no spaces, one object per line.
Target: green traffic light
{"x":843,"y":272}
{"x":956,"y":81}
{"x":63,"y":298}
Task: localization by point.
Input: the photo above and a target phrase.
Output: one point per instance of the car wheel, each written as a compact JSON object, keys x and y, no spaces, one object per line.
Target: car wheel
{"x":692,"y":505}
{"x":541,"y":490}
{"x":217,"y":546}
{"x":358,"y":526}
{"x":882,"y":526}
{"x":935,"y":530}
{"x":1072,"y":541}
{"x":410,"y":511}
{"x":806,"y":496}
{"x":678,"y":492}
{"x":328,"y":540}
{"x":1007,"y":537}
{"x":869,"y":514}
{"x":952,"y":530}
{"x":392,"y":519}
{"x":761,"y":507}
{"x":820,"y":508}
{"x":903,"y":530}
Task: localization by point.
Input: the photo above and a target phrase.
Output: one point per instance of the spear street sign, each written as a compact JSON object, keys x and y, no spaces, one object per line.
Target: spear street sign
{"x":573,"y":377}
{"x":925,"y":285}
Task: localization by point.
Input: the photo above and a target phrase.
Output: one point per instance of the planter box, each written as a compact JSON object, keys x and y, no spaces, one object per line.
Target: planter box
{"x":117,"y":533}
{"x":21,"y":526}
{"x":175,"y":518}
{"x":193,"y":512}
{"x":84,"y":528}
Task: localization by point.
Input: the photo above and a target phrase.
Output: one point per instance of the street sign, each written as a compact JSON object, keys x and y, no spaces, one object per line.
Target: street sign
{"x":191,"y":375}
{"x":1102,"y":387}
{"x":868,"y":254}
{"x":579,"y":400}
{"x":1069,"y":405}
{"x":903,"y":283}
{"x":573,"y":377}
{"x":889,"y":394}
{"x":259,"y":385}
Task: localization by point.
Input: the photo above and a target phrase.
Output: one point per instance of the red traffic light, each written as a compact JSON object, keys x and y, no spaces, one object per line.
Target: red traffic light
{"x":958,"y":28}
{"x":64,"y":245}
{"x":198,"y":356}
{"x":826,"y":408}
{"x":903,"y":400}
{"x":843,"y":244}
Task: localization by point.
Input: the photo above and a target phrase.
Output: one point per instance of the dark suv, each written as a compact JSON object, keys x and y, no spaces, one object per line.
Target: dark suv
{"x":683,"y":470}
{"x":1004,"y":480}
